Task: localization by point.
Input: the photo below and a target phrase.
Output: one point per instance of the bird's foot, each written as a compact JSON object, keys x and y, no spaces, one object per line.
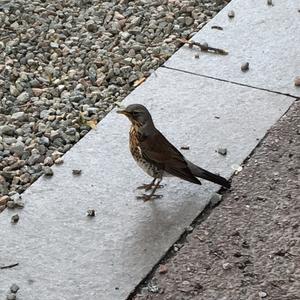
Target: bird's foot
{"x":146,"y":197}
{"x":148,"y":187}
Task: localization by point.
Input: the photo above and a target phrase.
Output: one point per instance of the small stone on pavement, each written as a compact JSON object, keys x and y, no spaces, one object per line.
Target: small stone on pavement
{"x":76,"y":172}
{"x":91,"y":213}
{"x":14,"y":288}
{"x":15,"y":218}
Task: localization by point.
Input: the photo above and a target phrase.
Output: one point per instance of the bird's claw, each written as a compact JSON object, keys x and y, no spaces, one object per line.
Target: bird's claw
{"x":146,"y":197}
{"x":148,"y":187}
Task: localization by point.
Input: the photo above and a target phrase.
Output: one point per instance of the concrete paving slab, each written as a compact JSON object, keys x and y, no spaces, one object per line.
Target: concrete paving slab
{"x":265,"y":36}
{"x":63,"y":254}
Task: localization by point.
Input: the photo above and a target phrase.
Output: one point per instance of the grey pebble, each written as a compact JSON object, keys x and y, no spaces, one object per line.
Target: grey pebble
{"x":17,"y":148}
{"x":11,"y":296}
{"x":7,"y":130}
{"x":204,"y":46}
{"x":189,"y":229}
{"x":231,"y":14}
{"x":91,"y":26}
{"x":215,"y":199}
{"x":226,"y":266}
{"x":59,"y":161}
{"x":262,"y":294}
{"x":76,"y":172}
{"x":222,"y":151}
{"x":48,"y":161}
{"x":188,"y":21}
{"x":14,"y":288}
{"x":297,"y":81}
{"x":245,"y":67}
{"x":15,"y":218}
{"x":23,"y":97}
{"x":15,"y":197}
{"x":10,"y":204}
{"x":48,"y":171}
{"x":91,"y":213}
{"x":19,"y":116}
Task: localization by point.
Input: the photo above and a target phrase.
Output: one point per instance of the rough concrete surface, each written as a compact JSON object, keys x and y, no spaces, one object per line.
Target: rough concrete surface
{"x":248,"y":247}
{"x":63,"y":254}
{"x":263,"y":35}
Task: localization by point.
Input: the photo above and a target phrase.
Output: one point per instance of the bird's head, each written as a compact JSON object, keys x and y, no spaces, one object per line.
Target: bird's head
{"x":137,"y":114}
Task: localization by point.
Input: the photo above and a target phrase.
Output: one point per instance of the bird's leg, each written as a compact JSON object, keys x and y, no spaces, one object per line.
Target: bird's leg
{"x":149,"y":186}
{"x":152,"y":195}
{"x":146,"y":186}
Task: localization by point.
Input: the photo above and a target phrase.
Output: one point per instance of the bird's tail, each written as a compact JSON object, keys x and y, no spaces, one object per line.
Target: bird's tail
{"x":199,"y":172}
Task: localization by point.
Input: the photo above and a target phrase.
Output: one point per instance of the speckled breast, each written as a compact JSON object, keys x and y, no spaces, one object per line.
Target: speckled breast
{"x":136,"y":152}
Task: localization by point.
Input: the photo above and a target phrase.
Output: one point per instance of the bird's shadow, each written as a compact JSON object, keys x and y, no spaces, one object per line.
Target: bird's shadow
{"x":162,"y":228}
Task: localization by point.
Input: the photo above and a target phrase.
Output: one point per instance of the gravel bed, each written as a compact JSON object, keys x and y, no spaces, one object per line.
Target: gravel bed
{"x":64,"y":64}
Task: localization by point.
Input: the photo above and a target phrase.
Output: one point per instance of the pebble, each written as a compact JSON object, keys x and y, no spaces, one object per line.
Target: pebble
{"x":226,"y":266}
{"x":11,"y":296}
{"x":48,"y":161}
{"x":297,"y":81}
{"x":188,"y":21}
{"x":245,"y":67}
{"x":91,"y":26}
{"x":14,"y":288}
{"x":162,"y":269}
{"x":23,"y":97}
{"x":222,"y":151}
{"x":204,"y":46}
{"x":231,"y":14}
{"x":10,"y":204}
{"x":215,"y":199}
{"x":48,"y":171}
{"x":59,"y":161}
{"x":91,"y":213}
{"x":76,"y":172}
{"x":7,"y":130}
{"x":262,"y":294}
{"x":15,"y":218}
{"x":17,"y":148}
{"x":177,"y":247}
{"x":18,"y":116}
{"x":189,"y":229}
{"x":17,"y":199}
{"x":4,"y":200}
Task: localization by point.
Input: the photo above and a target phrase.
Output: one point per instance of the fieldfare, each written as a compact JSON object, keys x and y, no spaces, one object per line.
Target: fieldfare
{"x":157,"y":156}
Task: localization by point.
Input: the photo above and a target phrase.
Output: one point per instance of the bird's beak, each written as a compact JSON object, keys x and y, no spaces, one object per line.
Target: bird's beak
{"x":123,"y":112}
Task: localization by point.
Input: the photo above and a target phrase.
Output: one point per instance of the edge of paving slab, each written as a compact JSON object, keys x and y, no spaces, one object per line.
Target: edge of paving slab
{"x":185,"y":55}
{"x":230,"y":81}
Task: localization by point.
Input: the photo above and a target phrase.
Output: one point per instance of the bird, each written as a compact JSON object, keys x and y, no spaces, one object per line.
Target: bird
{"x":157,"y":156}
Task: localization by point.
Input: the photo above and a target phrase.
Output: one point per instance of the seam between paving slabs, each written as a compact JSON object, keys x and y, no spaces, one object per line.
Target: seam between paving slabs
{"x":228,"y":81}
{"x":205,"y":213}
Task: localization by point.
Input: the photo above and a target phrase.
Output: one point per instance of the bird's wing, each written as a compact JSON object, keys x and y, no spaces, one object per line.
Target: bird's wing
{"x":157,"y":149}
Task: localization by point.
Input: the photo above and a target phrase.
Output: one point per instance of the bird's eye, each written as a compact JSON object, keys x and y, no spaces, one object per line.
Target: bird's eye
{"x":135,"y":113}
